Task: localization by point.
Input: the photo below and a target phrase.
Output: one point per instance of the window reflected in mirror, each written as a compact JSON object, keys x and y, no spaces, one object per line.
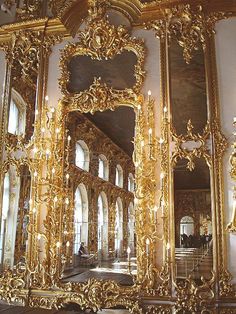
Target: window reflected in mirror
{"x":102,"y":184}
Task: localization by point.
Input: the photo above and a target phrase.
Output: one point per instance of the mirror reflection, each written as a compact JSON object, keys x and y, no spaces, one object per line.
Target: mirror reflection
{"x":192,"y":191}
{"x":103,"y":181}
{"x":193,"y":221}
{"x":14,"y":220}
{"x":83,"y":70}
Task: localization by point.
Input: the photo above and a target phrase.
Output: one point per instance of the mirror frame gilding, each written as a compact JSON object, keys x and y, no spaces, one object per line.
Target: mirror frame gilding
{"x":38,"y":282}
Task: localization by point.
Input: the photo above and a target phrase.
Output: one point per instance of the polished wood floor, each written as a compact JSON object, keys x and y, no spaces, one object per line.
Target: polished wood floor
{"x":196,"y":262}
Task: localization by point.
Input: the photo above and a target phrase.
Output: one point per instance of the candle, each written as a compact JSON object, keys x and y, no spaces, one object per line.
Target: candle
{"x":34,"y":210}
{"x":155,"y":212}
{"x":47,"y":153}
{"x":147,"y":245}
{"x":58,"y":244}
{"x":57,"y":132}
{"x":142,"y":145}
{"x":128,"y":252}
{"x":150,"y":136}
{"x":149,"y":95}
{"x":67,"y":247}
{"x":69,"y":139}
{"x":161,"y":142}
{"x":53,"y":172}
{"x":35,"y":150}
{"x":35,"y":175}
{"x":162,"y":176}
{"x":55,"y":200}
{"x":67,"y":202}
{"x":165,"y":111}
{"x":67,"y":178}
{"x":43,"y":131}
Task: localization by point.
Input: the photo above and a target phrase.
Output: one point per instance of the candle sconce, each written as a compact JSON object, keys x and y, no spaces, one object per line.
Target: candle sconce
{"x":232,"y":225}
{"x":47,"y":145}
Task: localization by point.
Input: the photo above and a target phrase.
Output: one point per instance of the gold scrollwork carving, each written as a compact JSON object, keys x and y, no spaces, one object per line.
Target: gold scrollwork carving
{"x":192,"y":297}
{"x":190,"y":25}
{"x":101,"y":40}
{"x":200,"y":151}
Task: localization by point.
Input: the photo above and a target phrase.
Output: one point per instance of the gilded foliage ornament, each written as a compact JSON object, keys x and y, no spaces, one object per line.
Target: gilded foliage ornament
{"x":189,"y":25}
{"x":101,"y":41}
{"x":200,"y":151}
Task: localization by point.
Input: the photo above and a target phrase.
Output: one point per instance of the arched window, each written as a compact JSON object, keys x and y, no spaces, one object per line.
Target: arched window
{"x":13,"y":124}
{"x":187,"y":225}
{"x":17,"y":111}
{"x":131,"y":182}
{"x":103,"y":171}
{"x":82,"y":155}
{"x":119,"y":227}
{"x":102,"y":226}
{"x":119,"y":176}
{"x":131,"y":227}
{"x":80,"y":218}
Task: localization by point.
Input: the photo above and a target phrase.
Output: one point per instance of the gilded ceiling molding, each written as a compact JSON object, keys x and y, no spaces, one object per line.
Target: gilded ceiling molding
{"x":100,"y":41}
{"x":189,"y":25}
{"x":201,"y":151}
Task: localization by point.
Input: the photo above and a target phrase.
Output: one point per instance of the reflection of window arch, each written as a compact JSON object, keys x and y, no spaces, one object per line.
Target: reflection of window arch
{"x":131,"y":182}
{"x":102,"y":225}
{"x":103,"y":171}
{"x":187,"y":225}
{"x":80,"y":217}
{"x":119,"y":176}
{"x":119,"y":226}
{"x":17,"y":112}
{"x":131,"y":227}
{"x":82,"y":155}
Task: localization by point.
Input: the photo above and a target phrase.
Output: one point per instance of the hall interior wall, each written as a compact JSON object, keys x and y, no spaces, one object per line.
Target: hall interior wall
{"x":81,"y":128}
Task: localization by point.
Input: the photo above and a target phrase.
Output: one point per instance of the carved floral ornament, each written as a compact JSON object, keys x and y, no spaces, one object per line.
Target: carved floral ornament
{"x":201,"y":151}
{"x":100,"y":41}
{"x":189,"y":25}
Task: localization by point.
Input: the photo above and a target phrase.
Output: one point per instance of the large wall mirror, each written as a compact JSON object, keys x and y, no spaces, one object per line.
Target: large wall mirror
{"x":192,"y":181}
{"x":101,"y":224}
{"x":100,"y":100}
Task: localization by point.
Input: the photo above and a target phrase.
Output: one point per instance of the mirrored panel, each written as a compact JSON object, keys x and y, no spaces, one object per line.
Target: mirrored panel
{"x":193,"y":220}
{"x":102,"y":178}
{"x":192,"y":200}
{"x":15,"y":216}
